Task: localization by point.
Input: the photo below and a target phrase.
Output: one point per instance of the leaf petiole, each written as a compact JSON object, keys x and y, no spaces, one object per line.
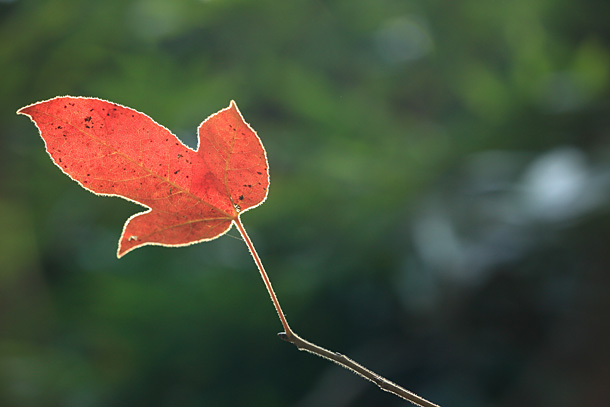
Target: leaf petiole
{"x":264,"y":276}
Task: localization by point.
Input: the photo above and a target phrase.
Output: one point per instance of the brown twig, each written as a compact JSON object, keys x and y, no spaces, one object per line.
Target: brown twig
{"x":289,"y":336}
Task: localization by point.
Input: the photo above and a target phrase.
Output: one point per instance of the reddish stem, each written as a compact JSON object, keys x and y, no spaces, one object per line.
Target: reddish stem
{"x":266,"y":280}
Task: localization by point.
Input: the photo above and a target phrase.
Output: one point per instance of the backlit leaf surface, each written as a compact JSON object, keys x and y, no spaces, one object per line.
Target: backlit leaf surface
{"x":191,"y":195}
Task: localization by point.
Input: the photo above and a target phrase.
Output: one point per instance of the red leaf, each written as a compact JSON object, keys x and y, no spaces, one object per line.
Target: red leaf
{"x":191,"y":195}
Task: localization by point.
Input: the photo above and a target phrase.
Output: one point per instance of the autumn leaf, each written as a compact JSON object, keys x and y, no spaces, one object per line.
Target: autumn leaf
{"x":191,"y":195}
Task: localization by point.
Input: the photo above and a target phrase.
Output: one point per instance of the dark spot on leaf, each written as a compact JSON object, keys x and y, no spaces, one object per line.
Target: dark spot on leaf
{"x":88,"y":118}
{"x":176,"y":172}
{"x":90,"y":110}
{"x":65,"y":107}
{"x":59,"y":127}
{"x":87,"y":126}
{"x":258,"y":172}
{"x":241,"y":197}
{"x":179,"y":155}
{"x":88,"y":175}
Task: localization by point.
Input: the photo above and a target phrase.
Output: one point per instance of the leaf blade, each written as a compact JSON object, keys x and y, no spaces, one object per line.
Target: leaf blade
{"x":110,"y":149}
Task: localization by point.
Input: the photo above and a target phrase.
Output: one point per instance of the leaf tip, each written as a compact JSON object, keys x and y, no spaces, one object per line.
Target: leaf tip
{"x":233,"y":106}
{"x":127,"y":244}
{"x":23,"y":110}
{"x":123,"y":248}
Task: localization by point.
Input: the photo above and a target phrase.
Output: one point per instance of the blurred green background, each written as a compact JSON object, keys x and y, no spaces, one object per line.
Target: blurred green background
{"x":438,"y":210}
